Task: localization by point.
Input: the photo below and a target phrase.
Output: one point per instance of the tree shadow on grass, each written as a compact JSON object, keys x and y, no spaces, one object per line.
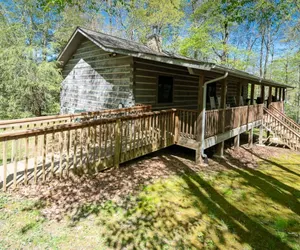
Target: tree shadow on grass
{"x":273,"y":162}
{"x":271,"y":180}
{"x":132,"y":231}
{"x":246,"y":229}
{"x":267,"y":184}
{"x":144,"y":223}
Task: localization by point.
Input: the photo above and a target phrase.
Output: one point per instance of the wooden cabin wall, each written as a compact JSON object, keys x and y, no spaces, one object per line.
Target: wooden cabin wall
{"x":232,"y":88}
{"x":95,"y":80}
{"x":185,"y":86}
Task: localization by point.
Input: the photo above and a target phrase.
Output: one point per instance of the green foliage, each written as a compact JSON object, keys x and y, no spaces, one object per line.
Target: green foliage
{"x":29,"y":82}
{"x":261,"y":37}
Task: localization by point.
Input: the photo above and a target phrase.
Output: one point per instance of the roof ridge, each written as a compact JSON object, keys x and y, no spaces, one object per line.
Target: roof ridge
{"x":124,"y":39}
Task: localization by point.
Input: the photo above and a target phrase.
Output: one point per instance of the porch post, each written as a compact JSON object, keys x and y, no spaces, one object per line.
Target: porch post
{"x":283,"y":94}
{"x":279,"y":97}
{"x":220,"y":146}
{"x":262,"y":93}
{"x":270,"y":96}
{"x":250,"y":137}
{"x":276,"y":93}
{"x":200,"y":110}
{"x":238,"y":102}
{"x":261,"y":129}
{"x":252,"y":94}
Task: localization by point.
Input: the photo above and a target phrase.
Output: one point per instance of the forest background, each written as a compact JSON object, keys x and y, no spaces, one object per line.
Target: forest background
{"x":261,"y":37}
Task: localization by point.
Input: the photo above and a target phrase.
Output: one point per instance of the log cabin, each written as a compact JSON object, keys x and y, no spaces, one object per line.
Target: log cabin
{"x":214,"y":102}
{"x":102,"y":72}
{"x":197,"y":105}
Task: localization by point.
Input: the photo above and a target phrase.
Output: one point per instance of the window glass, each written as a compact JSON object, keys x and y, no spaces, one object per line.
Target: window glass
{"x":165,"y":89}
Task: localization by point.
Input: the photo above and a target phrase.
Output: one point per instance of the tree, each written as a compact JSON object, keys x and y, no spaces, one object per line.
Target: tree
{"x":212,"y":24}
{"x":29,"y":82}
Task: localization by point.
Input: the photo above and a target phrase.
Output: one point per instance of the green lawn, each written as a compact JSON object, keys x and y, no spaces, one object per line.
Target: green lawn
{"x":235,"y":208}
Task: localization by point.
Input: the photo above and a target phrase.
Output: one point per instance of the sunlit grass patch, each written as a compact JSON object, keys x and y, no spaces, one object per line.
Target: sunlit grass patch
{"x":238,"y":208}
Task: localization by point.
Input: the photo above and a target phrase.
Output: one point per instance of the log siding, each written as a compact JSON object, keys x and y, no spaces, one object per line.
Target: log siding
{"x":96,"y":80}
{"x":146,"y":75}
{"x":185,"y":86}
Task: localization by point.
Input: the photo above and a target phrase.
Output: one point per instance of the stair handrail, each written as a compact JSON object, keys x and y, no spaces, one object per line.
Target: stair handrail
{"x":285,"y":117}
{"x":282,"y":123}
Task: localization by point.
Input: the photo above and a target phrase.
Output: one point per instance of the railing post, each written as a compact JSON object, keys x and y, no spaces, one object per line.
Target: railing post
{"x":118,"y":143}
{"x":237,"y":138}
{"x":4,"y":163}
{"x":238,"y":102}
{"x":176,"y":127}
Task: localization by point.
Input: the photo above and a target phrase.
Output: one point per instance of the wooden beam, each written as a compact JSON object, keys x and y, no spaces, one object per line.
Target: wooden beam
{"x":276,"y":93}
{"x":220,"y":147}
{"x":283,"y":94}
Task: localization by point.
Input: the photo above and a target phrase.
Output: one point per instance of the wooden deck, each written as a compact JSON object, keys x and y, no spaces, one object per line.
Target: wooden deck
{"x":93,"y":144}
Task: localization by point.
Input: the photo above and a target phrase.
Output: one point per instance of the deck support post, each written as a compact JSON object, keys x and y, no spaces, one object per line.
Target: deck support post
{"x":276,"y":93}
{"x":238,"y":103}
{"x":261,"y":134}
{"x":220,"y":146}
{"x":283,"y":94}
{"x":200,"y":110}
{"x":250,"y":138}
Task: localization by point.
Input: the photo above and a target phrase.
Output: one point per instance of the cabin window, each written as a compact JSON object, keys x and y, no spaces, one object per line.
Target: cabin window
{"x":165,"y":89}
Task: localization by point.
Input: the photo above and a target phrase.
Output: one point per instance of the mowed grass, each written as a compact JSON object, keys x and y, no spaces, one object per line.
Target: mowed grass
{"x":237,"y":208}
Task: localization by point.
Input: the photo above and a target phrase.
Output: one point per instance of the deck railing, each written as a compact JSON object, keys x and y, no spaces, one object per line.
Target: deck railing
{"x":234,"y":117}
{"x":44,"y":121}
{"x":89,"y":146}
{"x":33,"y":155}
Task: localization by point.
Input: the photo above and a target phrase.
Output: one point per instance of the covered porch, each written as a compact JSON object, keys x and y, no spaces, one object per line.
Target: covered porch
{"x":227,"y":107}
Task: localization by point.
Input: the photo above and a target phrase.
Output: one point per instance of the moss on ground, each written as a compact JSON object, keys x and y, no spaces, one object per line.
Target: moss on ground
{"x":238,"y":208}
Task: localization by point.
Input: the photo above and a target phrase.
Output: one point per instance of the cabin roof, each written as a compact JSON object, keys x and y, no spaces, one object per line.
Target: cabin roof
{"x":119,"y":45}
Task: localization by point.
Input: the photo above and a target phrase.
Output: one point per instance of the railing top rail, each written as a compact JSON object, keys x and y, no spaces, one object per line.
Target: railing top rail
{"x":12,"y":135}
{"x":188,"y":110}
{"x":72,"y":116}
{"x":270,"y":113}
{"x":227,"y":109}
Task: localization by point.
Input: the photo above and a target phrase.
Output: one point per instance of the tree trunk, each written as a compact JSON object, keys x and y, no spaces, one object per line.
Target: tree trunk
{"x":261,"y":54}
{"x":224,"y":57}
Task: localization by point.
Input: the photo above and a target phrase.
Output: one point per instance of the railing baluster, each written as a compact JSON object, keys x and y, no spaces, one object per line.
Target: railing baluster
{"x":35,"y":158}
{"x":15,"y":160}
{"x":4,"y":162}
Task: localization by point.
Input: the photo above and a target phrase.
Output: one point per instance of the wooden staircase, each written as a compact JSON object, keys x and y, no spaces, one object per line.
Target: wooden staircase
{"x":282,"y":127}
